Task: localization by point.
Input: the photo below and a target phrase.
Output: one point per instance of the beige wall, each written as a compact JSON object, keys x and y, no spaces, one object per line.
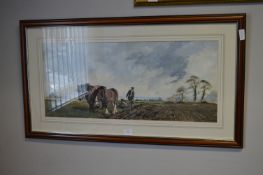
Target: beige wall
{"x":20,"y":156}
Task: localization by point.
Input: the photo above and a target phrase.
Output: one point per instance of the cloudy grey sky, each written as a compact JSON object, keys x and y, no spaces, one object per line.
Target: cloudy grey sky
{"x":155,"y":69}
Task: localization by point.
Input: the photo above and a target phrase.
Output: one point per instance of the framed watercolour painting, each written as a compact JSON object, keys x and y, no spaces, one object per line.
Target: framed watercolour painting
{"x":173,"y":80}
{"x":188,"y":2}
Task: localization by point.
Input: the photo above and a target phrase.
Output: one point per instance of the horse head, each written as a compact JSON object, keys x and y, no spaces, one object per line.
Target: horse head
{"x":95,"y":92}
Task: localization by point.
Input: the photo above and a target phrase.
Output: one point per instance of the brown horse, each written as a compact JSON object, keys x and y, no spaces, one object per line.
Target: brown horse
{"x":91,"y":95}
{"x":102,"y":97}
{"x":108,"y":99}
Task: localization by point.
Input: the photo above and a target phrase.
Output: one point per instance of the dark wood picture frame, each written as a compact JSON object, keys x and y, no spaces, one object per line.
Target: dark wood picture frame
{"x":237,"y":19}
{"x":189,"y":2}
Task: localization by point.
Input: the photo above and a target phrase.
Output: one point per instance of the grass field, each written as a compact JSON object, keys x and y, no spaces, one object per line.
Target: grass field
{"x":144,"y":110}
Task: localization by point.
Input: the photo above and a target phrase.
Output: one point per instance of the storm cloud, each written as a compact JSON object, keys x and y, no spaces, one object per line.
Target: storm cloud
{"x":153,"y":68}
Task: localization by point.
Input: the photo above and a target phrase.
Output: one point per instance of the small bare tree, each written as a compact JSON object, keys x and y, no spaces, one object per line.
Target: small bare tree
{"x":180,"y":91}
{"x":205,"y":86}
{"x":193,"y":84}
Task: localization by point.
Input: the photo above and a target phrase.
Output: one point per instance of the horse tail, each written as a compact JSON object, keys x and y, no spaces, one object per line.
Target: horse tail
{"x":116,"y":94}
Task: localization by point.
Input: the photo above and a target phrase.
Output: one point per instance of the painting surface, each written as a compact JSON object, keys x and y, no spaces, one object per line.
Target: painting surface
{"x":168,"y":80}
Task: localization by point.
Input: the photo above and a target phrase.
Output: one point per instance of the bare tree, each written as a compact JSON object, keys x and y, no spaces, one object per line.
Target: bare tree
{"x":193,"y":82}
{"x":180,"y":91}
{"x":205,"y":86}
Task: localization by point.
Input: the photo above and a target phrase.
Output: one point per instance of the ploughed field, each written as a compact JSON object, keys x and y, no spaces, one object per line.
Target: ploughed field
{"x":143,"y":110}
